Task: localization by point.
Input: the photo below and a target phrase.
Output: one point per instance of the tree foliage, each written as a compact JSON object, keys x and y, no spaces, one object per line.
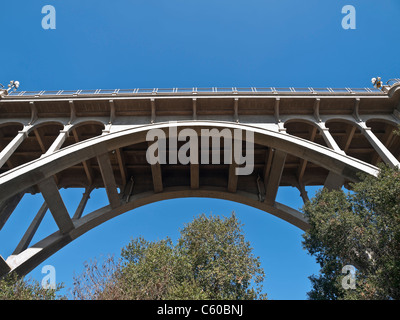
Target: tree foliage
{"x":13,"y":287}
{"x":210,"y":260}
{"x":359,"y":228}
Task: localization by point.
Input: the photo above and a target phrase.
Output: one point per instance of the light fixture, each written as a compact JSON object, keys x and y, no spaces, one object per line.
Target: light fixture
{"x":13,"y":85}
{"x":377,"y":82}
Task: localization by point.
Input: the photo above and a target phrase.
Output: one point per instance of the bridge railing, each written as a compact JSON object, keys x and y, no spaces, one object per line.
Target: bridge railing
{"x":195,"y":90}
{"x":391,"y":82}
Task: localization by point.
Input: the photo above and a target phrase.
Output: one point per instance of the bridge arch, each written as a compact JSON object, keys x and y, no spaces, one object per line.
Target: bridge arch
{"x":302,"y":119}
{"x":75,"y":131}
{"x":36,"y":171}
{"x":306,"y":129}
{"x":40,"y":172}
{"x":85,"y":122}
{"x":389,"y":122}
{"x":27,"y":260}
{"x":44,"y":123}
{"x":18,"y":124}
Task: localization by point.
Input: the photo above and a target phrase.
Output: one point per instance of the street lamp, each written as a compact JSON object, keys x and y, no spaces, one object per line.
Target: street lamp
{"x":13,"y":85}
{"x":377,"y":82}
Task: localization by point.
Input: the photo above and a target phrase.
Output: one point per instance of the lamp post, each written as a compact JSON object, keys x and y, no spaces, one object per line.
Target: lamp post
{"x":377,"y":82}
{"x":13,"y":85}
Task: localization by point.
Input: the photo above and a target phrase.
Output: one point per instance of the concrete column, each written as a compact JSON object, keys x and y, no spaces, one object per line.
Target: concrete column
{"x":333,"y":181}
{"x":156,"y":171}
{"x":330,"y":142}
{"x":27,"y":238}
{"x":56,"y":145}
{"x":303,"y":192}
{"x":12,"y":146}
{"x":82,"y":204}
{"x":278,"y":163}
{"x":8,"y":206}
{"x":232,"y":176}
{"x":379,"y":147}
{"x":107,"y":174}
{"x":53,"y":199}
{"x":4,"y":267}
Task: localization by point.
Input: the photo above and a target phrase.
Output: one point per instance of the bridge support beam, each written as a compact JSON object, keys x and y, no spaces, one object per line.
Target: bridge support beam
{"x":122,"y":167}
{"x":7,"y":152}
{"x":52,"y":196}
{"x":82,"y":204}
{"x":57,"y":144}
{"x":8,"y":206}
{"x":329,"y":140}
{"x":194,"y":176}
{"x":108,"y":179}
{"x":232,"y":176}
{"x":274,"y":178}
{"x":303,"y":162}
{"x":4,"y":267}
{"x":267,"y":166}
{"x":157,"y":177}
{"x":27,"y":238}
{"x":86,"y":165}
{"x":194,"y":162}
{"x":156,"y":169}
{"x":333,"y":181}
{"x":379,"y":147}
{"x":303,"y":192}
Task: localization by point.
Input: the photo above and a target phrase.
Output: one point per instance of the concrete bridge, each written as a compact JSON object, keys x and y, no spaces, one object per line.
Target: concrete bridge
{"x":97,"y":139}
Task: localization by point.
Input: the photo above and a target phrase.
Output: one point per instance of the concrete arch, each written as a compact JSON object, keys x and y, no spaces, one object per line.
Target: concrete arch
{"x":6,"y":122}
{"x":83,"y":122}
{"x":302,"y":120}
{"x":41,"y":171}
{"x":33,"y":256}
{"x":72,"y":130}
{"x":18,"y":179}
{"x":315,"y":130}
{"x":383,"y":120}
{"x":349,"y":121}
{"x":12,"y":123}
{"x":395,"y":88}
{"x":45,"y":123}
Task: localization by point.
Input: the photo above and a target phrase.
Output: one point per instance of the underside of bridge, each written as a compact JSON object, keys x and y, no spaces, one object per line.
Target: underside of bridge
{"x":50,"y":141}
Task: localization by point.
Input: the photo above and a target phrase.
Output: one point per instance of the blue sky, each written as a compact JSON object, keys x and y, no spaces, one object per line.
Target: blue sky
{"x":186,"y":43}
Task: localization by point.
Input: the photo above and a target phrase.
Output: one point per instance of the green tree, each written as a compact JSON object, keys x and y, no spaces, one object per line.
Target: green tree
{"x":359,"y":228}
{"x":211,"y":260}
{"x":13,"y":287}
